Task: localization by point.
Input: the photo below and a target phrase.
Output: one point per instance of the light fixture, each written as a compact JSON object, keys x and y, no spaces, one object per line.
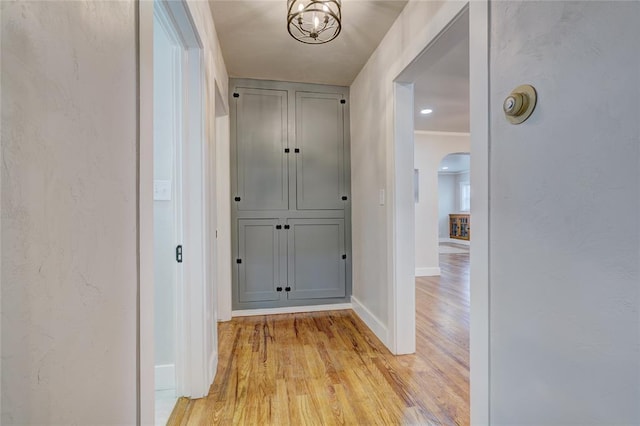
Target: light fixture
{"x":314,"y":21}
{"x":426,"y":111}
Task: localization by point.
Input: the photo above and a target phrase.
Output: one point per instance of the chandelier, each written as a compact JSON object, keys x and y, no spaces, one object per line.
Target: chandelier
{"x":314,"y":21}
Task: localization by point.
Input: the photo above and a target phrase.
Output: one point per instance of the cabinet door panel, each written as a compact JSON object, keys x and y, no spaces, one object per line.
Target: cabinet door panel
{"x":316,"y":267}
{"x":259,"y":251}
{"x":320,"y":162}
{"x":261,"y":138}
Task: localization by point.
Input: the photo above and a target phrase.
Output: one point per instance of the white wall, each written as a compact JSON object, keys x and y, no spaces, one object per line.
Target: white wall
{"x":446,"y":202}
{"x":69,"y":209}
{"x":69,"y":274}
{"x":372,"y":151}
{"x":565,"y":202}
{"x":461,"y":178}
{"x":430,"y":149}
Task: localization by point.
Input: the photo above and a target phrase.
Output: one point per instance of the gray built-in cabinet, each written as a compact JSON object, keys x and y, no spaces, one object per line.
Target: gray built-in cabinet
{"x":291,"y":194}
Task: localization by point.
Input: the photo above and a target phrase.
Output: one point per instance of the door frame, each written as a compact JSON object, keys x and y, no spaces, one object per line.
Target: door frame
{"x":193,"y":373}
{"x":163,"y":18}
{"x":401,"y":223}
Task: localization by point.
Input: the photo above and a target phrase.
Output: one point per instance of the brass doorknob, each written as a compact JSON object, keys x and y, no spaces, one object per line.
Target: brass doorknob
{"x":519,"y":105}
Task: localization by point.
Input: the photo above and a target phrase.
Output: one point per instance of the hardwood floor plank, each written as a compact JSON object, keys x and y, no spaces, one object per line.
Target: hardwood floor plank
{"x":328,"y":368}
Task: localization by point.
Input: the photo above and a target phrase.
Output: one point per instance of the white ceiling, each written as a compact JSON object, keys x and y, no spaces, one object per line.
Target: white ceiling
{"x":441,"y":81}
{"x":455,"y":163}
{"x":255,"y":42}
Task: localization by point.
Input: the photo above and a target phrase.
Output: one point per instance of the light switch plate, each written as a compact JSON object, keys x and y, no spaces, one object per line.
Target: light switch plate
{"x":162,"y":190}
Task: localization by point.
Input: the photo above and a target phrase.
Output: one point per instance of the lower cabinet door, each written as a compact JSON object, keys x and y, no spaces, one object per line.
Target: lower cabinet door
{"x":316,"y":267}
{"x":259,"y":270}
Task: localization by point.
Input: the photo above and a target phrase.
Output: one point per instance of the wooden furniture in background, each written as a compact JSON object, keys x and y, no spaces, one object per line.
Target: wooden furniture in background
{"x":459,"y":226}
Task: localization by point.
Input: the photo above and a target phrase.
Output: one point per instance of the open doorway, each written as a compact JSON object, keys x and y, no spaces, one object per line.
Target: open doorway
{"x":401,"y":226}
{"x":454,"y":204}
{"x":184,"y":338}
{"x":167,"y":205}
{"x":434,"y":91}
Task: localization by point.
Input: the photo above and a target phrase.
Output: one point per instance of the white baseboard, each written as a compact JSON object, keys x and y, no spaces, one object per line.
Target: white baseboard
{"x":213,"y":367}
{"x":290,"y":310}
{"x":165,"y":376}
{"x":377,"y":326}
{"x":428,"y":272}
{"x":454,"y":241}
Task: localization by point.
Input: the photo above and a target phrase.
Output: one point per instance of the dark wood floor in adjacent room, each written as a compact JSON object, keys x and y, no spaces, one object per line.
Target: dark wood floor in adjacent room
{"x":327,"y":368}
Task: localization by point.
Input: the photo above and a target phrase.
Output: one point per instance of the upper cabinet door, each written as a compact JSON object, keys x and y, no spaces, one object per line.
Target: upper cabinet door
{"x":261,"y":139}
{"x":320,"y":160}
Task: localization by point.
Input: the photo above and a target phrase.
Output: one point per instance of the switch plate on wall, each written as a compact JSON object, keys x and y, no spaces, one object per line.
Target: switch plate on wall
{"x":162,"y":190}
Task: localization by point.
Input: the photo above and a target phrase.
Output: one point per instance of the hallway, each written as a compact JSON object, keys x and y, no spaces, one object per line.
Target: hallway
{"x":327,"y":368}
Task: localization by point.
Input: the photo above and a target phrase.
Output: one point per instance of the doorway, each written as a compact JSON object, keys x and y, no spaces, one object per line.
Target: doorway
{"x":184,"y":337}
{"x":402,"y":227}
{"x":454,"y":204}
{"x":167,"y":205}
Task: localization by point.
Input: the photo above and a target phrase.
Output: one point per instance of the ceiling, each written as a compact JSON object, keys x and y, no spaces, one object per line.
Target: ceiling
{"x":441,"y":81}
{"x":255,"y":42}
{"x":455,"y":163}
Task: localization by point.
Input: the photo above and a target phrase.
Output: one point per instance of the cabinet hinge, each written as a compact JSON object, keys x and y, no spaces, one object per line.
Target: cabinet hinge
{"x":238,"y":261}
{"x":179,"y":254}
{"x":236,"y":95}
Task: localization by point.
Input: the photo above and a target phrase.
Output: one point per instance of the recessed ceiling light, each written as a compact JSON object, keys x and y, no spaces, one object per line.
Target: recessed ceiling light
{"x":445,"y":168}
{"x":426,"y":111}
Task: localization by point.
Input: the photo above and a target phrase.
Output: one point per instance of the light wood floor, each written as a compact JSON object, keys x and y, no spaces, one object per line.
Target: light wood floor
{"x":327,"y":368}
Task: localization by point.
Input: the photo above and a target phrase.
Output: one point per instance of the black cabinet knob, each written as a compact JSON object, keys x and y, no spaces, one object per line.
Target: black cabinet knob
{"x":344,"y":198}
{"x":278,"y":288}
{"x":237,"y":198}
{"x":287,"y":289}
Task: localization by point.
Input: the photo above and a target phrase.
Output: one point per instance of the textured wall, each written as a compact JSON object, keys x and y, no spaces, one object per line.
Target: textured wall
{"x":68,"y":213}
{"x":565,"y":202}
